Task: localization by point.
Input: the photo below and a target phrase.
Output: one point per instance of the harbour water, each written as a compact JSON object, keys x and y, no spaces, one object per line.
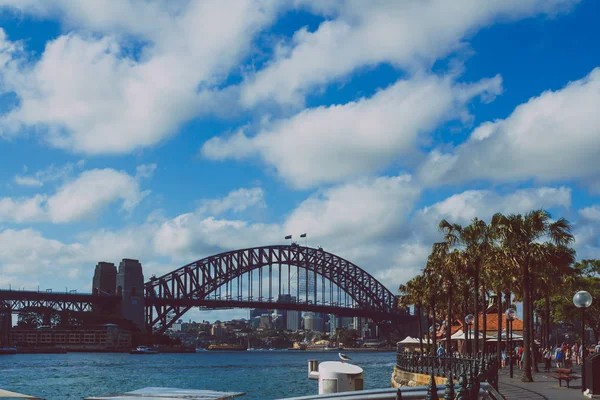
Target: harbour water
{"x":261,"y":374}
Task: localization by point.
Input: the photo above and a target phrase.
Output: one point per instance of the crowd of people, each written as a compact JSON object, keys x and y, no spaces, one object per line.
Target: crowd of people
{"x":564,"y":356}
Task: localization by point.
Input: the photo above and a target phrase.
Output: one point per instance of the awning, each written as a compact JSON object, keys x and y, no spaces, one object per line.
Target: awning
{"x":6,"y":394}
{"x":460,"y":335}
{"x":412,"y":340}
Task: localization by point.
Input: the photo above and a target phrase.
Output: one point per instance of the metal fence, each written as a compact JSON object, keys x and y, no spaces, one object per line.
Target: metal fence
{"x":468,"y":372}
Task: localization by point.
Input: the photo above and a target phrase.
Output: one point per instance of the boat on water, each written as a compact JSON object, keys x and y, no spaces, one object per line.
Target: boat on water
{"x":8,"y":350}
{"x":143,"y":350}
{"x":238,"y":347}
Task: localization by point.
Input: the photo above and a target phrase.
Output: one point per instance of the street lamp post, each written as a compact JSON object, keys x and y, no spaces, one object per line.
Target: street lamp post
{"x":510,"y":315}
{"x":582,"y":300}
{"x":468,"y":321}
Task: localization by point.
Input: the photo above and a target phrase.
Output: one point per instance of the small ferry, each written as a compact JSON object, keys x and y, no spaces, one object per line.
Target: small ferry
{"x":143,"y":350}
{"x":238,"y":347}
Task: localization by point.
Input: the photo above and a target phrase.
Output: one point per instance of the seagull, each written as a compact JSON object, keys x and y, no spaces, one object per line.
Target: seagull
{"x":344,"y":357}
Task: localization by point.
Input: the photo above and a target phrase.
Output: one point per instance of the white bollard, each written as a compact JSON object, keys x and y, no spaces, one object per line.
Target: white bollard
{"x":335,"y":376}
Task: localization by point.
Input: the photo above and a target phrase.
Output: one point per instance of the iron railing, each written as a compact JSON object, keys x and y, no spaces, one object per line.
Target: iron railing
{"x":468,"y":372}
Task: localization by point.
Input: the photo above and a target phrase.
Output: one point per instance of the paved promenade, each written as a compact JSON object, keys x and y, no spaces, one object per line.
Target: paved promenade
{"x":543,"y":387}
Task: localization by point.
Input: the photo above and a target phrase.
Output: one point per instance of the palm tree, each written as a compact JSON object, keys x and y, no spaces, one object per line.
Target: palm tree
{"x":412,"y":294}
{"x":477,"y":240}
{"x":501,"y":283}
{"x":521,"y":239}
{"x":433,"y":283}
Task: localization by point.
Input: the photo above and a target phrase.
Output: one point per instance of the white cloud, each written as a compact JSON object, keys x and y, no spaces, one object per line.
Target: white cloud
{"x":90,"y":94}
{"x":587,"y":233}
{"x":145,"y":170}
{"x":370,"y":223}
{"x":328,"y":144}
{"x":81,"y":198}
{"x":236,"y":201}
{"x":22,"y":210}
{"x":409,"y":35}
{"x":356,"y":212}
{"x":92,"y":191}
{"x":51,"y":174}
{"x":552,"y":137}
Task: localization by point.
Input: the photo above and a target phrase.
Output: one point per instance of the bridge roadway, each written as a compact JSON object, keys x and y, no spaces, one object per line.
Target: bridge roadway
{"x":84,"y":302}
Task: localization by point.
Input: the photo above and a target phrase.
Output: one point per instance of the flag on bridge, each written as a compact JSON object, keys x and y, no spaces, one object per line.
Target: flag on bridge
{"x":288,"y":237}
{"x":303,"y":235}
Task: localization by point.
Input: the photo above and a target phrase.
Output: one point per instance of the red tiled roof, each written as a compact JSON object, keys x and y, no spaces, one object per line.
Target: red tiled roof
{"x":491,"y":322}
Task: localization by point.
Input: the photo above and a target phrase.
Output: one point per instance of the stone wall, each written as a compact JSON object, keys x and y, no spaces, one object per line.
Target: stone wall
{"x":402,"y":378}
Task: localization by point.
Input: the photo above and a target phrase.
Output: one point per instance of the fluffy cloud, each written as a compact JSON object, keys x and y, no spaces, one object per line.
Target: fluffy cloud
{"x":587,"y":233}
{"x":236,"y":201}
{"x":371,"y":223}
{"x":553,"y":137}
{"x":357,"y":212}
{"x":78,"y":199}
{"x":409,"y":35}
{"x":90,"y":94}
{"x":328,"y":144}
{"x":51,"y":174}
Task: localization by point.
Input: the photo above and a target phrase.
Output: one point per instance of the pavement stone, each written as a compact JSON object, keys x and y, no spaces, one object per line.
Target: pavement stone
{"x":543,"y":386}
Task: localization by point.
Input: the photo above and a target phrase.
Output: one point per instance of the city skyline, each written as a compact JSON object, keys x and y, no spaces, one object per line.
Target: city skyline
{"x":180,"y":137}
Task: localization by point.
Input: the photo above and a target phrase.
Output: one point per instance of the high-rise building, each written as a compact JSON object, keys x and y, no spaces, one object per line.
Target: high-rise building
{"x":334,"y":324}
{"x":293,"y":320}
{"x":347,"y":323}
{"x":257,"y":312}
{"x":313,"y":322}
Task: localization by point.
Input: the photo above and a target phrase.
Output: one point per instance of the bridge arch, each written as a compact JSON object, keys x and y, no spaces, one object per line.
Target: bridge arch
{"x":170,"y":296}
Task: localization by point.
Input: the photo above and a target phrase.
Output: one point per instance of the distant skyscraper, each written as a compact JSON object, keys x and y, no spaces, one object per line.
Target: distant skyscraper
{"x":313,"y":322}
{"x":257,"y":312}
{"x":294,"y":320}
{"x":334,"y":324}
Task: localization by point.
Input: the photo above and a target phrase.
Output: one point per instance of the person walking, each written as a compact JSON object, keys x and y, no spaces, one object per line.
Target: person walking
{"x":547,"y":359}
{"x":559,"y":357}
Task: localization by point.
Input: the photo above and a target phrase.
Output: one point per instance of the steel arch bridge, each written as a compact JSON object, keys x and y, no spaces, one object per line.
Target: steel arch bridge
{"x":301,"y":278}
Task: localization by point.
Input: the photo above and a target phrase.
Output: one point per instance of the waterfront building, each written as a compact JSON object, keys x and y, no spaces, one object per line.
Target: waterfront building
{"x":5,"y":326}
{"x":218,"y":330}
{"x":101,"y":338}
{"x":177,"y":327}
{"x":265,"y":322}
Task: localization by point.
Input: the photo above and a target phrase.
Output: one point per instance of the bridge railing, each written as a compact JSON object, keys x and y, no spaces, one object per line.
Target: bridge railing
{"x":469,"y":372}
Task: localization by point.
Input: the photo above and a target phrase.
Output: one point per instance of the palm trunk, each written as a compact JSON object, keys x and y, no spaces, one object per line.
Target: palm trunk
{"x":534,"y":355}
{"x":465,"y":312}
{"x":420,"y":327}
{"x":500,"y":319}
{"x":526,"y":376}
{"x":508,"y":345}
{"x":547,"y":319}
{"x":484,"y":328}
{"x":476,"y":308}
{"x":449,"y":323}
{"x":434,"y":331}
{"x":427,"y":332}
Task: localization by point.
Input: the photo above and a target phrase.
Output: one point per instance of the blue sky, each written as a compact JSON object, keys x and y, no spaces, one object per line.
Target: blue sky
{"x":172,"y":131}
